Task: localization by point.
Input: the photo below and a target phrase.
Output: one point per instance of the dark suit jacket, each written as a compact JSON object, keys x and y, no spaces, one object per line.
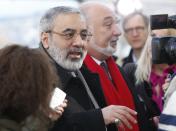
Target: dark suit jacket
{"x":128,"y":59}
{"x":80,"y":115}
{"x":143,"y":115}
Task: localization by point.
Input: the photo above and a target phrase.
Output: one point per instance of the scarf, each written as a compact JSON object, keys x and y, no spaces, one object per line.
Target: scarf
{"x":116,"y":93}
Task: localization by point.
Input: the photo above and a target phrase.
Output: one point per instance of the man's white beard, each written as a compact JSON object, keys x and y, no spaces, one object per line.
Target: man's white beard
{"x":108,"y":51}
{"x":61,"y":58}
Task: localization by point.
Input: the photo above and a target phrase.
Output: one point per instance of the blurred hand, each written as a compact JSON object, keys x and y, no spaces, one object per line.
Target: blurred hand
{"x":124,"y":114}
{"x":57,"y":112}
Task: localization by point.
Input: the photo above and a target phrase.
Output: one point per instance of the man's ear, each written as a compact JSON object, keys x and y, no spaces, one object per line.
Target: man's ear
{"x":44,"y":39}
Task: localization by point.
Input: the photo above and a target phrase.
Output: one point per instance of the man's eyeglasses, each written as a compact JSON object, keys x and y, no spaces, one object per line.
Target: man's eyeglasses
{"x":71,"y":34}
{"x":138,"y":29}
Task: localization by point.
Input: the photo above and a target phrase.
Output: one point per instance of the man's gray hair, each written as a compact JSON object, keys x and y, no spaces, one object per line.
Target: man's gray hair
{"x":48,"y":20}
{"x":144,"y":17}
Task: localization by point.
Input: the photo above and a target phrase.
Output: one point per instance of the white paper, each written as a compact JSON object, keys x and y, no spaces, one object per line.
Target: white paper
{"x":57,"y":97}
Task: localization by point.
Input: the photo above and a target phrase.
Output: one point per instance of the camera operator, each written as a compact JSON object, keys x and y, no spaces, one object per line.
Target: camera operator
{"x":162,"y":65}
{"x":168,"y":115}
{"x":164,"y":52}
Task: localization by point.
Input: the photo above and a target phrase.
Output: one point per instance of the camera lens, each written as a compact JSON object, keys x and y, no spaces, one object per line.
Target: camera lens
{"x":172,"y":21}
{"x":171,"y":48}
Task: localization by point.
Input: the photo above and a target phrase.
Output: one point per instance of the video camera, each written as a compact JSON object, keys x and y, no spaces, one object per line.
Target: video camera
{"x":163,"y":48}
{"x":162,"y":21}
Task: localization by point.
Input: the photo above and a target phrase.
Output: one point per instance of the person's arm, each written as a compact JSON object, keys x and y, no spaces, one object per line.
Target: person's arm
{"x":168,"y":116}
{"x":75,"y":118}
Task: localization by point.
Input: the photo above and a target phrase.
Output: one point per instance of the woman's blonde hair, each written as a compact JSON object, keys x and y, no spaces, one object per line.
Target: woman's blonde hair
{"x":144,"y":63}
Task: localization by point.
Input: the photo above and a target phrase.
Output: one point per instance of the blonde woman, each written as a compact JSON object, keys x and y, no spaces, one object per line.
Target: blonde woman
{"x":138,"y":74}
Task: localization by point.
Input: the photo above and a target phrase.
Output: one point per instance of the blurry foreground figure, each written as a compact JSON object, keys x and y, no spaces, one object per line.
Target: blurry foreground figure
{"x":27,"y":80}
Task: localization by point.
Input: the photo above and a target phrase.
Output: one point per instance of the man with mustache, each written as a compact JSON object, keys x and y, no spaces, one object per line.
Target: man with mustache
{"x":100,"y":65}
{"x":64,"y":37}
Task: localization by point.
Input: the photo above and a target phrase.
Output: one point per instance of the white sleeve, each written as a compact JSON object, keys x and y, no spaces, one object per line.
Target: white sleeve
{"x":168,"y":116}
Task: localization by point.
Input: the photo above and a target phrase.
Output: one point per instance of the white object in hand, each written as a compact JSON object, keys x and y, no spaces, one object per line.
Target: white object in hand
{"x":57,"y":98}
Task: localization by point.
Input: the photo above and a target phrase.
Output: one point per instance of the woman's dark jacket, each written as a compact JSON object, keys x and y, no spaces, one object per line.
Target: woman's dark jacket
{"x":145,"y":95}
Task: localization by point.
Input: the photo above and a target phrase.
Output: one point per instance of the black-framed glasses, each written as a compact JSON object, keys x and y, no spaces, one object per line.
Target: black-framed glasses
{"x":69,"y":34}
{"x":138,"y":29}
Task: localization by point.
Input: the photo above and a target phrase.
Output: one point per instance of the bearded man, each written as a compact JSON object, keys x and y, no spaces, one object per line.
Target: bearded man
{"x":64,"y":37}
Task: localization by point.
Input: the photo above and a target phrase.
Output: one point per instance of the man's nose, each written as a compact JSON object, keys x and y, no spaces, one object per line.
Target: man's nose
{"x":116,"y":30}
{"x":78,"y":40}
{"x":134,"y":32}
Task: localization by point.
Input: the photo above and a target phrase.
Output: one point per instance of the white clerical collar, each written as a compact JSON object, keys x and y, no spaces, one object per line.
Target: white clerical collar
{"x":73,"y":74}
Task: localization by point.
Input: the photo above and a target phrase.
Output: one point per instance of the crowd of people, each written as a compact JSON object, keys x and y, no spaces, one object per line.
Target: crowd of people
{"x":76,"y":54}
